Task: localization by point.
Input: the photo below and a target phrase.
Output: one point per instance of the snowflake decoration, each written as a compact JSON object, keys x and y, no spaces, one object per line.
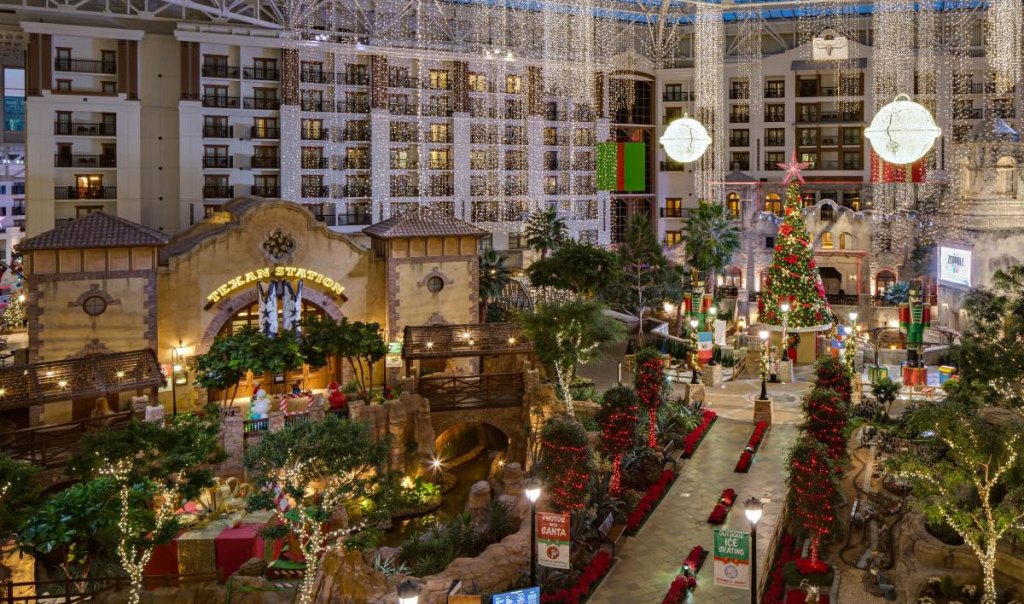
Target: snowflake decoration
{"x":278,"y":245}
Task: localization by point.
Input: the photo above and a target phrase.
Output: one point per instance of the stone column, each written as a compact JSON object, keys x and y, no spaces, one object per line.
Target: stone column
{"x":785,"y":374}
{"x":233,"y":438}
{"x":711,"y":375}
{"x":139,"y":405}
{"x":763,"y":410}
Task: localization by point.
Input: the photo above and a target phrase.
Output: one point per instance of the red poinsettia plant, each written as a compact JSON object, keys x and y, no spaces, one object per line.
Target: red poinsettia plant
{"x":693,"y":438}
{"x":596,"y":569}
{"x":650,"y":499}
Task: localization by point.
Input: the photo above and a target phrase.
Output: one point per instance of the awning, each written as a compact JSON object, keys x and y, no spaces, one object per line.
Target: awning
{"x":81,"y":377}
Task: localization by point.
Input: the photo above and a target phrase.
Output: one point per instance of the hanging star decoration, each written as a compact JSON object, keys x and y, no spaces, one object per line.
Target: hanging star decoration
{"x":793,"y":169}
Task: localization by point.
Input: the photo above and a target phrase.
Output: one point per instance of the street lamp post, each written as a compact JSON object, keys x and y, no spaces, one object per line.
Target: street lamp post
{"x":784,"y":307}
{"x":851,"y":343}
{"x":694,"y":343}
{"x":409,"y":592}
{"x":713,"y":311}
{"x":763,"y":334}
{"x":753,"y":511}
{"x":532,"y":489}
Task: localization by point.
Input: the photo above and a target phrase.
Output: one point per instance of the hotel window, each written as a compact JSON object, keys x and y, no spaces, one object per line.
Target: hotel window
{"x":672,"y":114}
{"x":440,"y":133}
{"x":438,"y":79}
{"x":516,"y":241}
{"x":63,"y":86}
{"x":808,"y":137}
{"x":313,"y":129}
{"x":775,"y":137}
{"x":264,"y":69}
{"x":773,"y":204}
{"x":673,"y":207}
{"x":740,"y":161}
{"x":673,"y":92}
{"x":513,"y":84}
{"x":313,"y":185}
{"x":313,"y":158}
{"x":401,"y":159}
{"x":477,"y":82}
{"x":264,"y":127}
{"x":846,"y":241}
{"x":673,"y":238}
{"x":775,"y":89}
{"x":440,"y":159}
{"x":733,"y":206}
{"x":774,"y":113}
{"x":216,"y":156}
{"x":312,"y":72}
{"x":826,"y":240}
{"x":809,"y":158}
{"x":772,"y":159}
{"x":769,"y":242}
{"x":486,"y":243}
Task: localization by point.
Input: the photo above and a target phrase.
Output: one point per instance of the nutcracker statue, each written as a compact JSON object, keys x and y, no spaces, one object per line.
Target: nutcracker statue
{"x":701,"y":310}
{"x":915,"y":318}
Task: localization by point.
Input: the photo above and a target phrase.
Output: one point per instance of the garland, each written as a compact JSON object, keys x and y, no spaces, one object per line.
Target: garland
{"x":649,"y":501}
{"x":753,"y":444}
{"x":695,"y":436}
{"x":721,"y":509}
{"x":595,"y":570}
{"x":686,"y":580}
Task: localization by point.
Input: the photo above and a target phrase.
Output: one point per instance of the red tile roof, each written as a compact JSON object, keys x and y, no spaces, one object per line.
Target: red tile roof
{"x":97,"y":229}
{"x":416,"y":224}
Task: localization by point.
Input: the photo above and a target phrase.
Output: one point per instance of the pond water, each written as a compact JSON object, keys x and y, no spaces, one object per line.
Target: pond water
{"x":452,"y":504}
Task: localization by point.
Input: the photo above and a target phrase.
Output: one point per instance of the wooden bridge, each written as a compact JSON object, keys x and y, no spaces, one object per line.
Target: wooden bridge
{"x":49,"y":447}
{"x":484,"y":391}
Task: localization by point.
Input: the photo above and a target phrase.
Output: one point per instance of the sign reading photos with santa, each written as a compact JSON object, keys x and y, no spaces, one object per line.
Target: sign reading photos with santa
{"x":553,"y":540}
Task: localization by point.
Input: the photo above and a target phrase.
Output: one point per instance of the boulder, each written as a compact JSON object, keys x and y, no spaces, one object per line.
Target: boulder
{"x":253,"y":567}
{"x":345,"y":578}
{"x":478,"y":502}
{"x":513,"y":474}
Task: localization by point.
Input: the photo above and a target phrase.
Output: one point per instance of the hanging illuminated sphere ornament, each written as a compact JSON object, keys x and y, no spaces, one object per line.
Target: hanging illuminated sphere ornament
{"x":685,"y":140}
{"x":902,"y":131}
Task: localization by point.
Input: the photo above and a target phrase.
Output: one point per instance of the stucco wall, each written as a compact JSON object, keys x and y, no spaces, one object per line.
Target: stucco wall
{"x":412,"y":262}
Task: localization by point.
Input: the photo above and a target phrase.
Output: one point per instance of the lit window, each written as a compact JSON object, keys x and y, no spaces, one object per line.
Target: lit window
{"x":826,"y":240}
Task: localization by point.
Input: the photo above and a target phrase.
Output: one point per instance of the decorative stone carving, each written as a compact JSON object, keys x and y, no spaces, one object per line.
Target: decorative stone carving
{"x":278,"y":245}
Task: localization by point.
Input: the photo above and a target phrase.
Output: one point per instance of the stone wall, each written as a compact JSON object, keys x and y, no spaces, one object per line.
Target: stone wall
{"x":407,"y":420}
{"x":919,"y":556}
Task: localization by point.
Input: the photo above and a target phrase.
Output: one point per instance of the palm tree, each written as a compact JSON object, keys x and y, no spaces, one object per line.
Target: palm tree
{"x":545,"y":231}
{"x":494,"y":276}
{"x":711,"y":240}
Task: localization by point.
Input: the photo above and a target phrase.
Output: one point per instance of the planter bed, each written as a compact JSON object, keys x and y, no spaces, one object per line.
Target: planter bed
{"x":686,"y":580}
{"x":592,"y":575}
{"x":721,"y":509}
{"x":753,"y":444}
{"x":655,"y":493}
{"x":692,"y":440}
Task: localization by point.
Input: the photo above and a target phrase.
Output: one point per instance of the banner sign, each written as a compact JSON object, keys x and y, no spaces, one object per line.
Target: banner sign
{"x":529,"y":595}
{"x":732,"y":558}
{"x":553,"y":540}
{"x":954,"y":266}
{"x":705,"y":346}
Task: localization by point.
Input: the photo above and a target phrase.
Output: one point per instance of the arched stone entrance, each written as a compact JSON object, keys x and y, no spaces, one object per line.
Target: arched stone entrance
{"x":511,"y":421}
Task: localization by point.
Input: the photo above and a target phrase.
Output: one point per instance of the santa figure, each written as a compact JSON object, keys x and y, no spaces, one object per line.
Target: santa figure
{"x":335,"y":397}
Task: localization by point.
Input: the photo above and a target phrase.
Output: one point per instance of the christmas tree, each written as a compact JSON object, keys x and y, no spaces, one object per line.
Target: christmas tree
{"x":825,"y":413}
{"x":565,"y":463}
{"x":650,"y":376}
{"x":793,"y":276}
{"x":619,"y":417}
{"x":814,"y":493}
{"x":14,"y":314}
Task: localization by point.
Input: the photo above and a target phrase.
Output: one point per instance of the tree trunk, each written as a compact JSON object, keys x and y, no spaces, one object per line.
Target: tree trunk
{"x":988,"y":570}
{"x":814,"y":548}
{"x":652,"y":425}
{"x":566,"y":392}
{"x":613,"y":487}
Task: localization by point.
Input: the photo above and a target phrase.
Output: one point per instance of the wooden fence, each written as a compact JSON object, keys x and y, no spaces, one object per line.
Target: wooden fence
{"x":51,"y":446}
{"x":66,"y":591}
{"x":484,"y":391}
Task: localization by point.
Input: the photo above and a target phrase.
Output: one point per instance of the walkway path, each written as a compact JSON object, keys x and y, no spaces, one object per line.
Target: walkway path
{"x":649,"y":561}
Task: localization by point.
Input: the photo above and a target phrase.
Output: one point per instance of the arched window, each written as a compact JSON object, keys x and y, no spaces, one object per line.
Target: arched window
{"x":826,"y":240}
{"x":773,"y":204}
{"x":733,"y":204}
{"x":249,"y":316}
{"x":1006,"y":176}
{"x":733,"y":277}
{"x":846,"y":241}
{"x":883,"y":281}
{"x":827,"y":213}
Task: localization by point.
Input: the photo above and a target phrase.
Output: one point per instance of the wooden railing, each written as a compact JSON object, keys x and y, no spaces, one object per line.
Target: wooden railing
{"x":51,"y":446}
{"x":255,"y":427}
{"x":294,"y":419}
{"x":485,"y":391}
{"x":66,"y":591}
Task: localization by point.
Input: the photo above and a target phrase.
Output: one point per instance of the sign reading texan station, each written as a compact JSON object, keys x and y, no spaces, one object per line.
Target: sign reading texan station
{"x":732,"y":558}
{"x":553,"y":540}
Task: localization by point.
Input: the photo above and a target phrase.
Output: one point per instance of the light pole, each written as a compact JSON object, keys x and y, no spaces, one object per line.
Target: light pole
{"x":784,"y":307}
{"x":409,"y":592}
{"x":763,"y":334}
{"x":693,"y":353}
{"x":532,"y":489}
{"x":713,"y":311}
{"x":851,"y":343}
{"x":753,"y":510}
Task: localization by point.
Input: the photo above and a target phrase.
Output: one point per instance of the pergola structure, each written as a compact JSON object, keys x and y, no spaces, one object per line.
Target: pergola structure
{"x":79,"y":377}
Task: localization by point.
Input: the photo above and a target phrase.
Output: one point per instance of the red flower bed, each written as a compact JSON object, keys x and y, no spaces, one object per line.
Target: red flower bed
{"x":721,"y":510}
{"x":685,"y":581}
{"x":753,"y":444}
{"x":648,"y":502}
{"x":807,"y":567}
{"x":592,"y":575}
{"x":691,"y":440}
{"x":776,"y":592}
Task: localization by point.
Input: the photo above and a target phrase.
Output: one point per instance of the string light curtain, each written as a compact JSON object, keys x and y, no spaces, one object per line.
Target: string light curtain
{"x":1003,"y":32}
{"x":751,"y":58}
{"x":709,"y":69}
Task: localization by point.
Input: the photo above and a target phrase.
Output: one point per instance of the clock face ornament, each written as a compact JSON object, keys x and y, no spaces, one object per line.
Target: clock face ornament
{"x":902,"y":132}
{"x":278,"y":245}
{"x":685,"y":140}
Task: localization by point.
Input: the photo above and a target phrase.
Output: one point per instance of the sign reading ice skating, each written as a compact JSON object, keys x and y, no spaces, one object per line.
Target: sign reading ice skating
{"x":732,"y":558}
{"x":553,"y":540}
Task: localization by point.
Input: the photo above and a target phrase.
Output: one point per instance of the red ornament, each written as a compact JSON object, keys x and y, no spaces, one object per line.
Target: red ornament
{"x":812,"y":263}
{"x":786,"y":229}
{"x":791,"y":258}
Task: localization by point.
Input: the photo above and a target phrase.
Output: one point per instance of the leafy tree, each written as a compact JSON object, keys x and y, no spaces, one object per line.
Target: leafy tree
{"x":278,"y":354}
{"x":566,"y":333}
{"x":545,"y":231}
{"x":228,"y":359}
{"x":711,"y":240}
{"x":360,"y":344}
{"x":647,"y":277}
{"x":991,"y":356}
{"x":18,"y":492}
{"x":922,"y":258}
{"x":79,"y":523}
{"x":814,"y":493}
{"x":618,"y":417}
{"x":565,"y":462}
{"x":578,"y":267}
{"x":320,"y":337}
{"x":494,"y":277}
{"x":976,"y":483}
{"x":898,"y":293}
{"x":154,"y":468}
{"x":885,"y":391}
{"x":318,"y":467}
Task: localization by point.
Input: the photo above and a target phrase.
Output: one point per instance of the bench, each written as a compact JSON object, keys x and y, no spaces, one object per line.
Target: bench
{"x":666,"y":454}
{"x":888,"y":589}
{"x":610,"y":532}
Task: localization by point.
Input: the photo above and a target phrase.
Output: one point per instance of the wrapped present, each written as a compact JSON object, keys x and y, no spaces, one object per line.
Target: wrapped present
{"x":197,"y":552}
